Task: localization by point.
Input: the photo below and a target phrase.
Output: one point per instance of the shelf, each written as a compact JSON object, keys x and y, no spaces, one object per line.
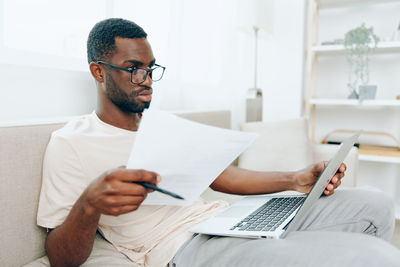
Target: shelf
{"x":342,"y":3}
{"x":383,"y":159}
{"x":355,"y":102}
{"x":383,"y":47}
{"x":384,"y":156}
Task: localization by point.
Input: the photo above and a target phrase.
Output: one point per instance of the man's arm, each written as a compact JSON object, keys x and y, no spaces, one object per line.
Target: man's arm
{"x":235,"y":180}
{"x":113,"y":193}
{"x":70,"y":243}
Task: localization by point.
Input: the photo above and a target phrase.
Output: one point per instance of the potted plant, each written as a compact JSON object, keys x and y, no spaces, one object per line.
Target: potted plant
{"x":359,"y":43}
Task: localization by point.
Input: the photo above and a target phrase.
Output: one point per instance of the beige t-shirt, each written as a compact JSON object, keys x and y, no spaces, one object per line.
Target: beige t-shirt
{"x":84,"y":149}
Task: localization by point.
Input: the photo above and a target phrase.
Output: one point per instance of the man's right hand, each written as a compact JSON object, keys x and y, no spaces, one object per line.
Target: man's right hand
{"x":115,"y":193}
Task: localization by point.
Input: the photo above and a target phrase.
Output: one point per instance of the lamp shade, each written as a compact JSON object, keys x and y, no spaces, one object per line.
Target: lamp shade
{"x":256,"y":13}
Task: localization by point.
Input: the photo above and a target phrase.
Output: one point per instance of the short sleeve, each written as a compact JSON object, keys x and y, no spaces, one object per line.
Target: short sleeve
{"x":63,"y":181}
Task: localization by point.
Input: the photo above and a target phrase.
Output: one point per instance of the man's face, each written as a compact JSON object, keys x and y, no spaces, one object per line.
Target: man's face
{"x":120,"y":90}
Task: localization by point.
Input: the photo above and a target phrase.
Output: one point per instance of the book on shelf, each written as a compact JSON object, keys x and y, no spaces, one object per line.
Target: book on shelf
{"x":369,"y":143}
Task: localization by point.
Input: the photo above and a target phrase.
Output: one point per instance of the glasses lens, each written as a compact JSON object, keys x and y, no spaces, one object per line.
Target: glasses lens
{"x":157,"y":74}
{"x":138,"y":75}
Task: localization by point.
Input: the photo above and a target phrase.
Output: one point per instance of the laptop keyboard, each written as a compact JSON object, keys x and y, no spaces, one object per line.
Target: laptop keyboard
{"x":269,"y":216}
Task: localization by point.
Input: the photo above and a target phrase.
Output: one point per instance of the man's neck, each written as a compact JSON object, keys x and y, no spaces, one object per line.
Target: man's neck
{"x":120,"y":119}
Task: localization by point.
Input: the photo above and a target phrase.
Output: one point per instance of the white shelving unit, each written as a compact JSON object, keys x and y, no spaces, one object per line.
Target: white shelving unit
{"x":384,"y":47}
{"x":355,"y":103}
{"x":387,"y":107}
{"x":339,"y":3}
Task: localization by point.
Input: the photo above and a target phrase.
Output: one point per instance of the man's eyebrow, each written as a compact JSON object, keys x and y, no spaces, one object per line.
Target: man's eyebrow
{"x":135,"y":62}
{"x":139,"y":63}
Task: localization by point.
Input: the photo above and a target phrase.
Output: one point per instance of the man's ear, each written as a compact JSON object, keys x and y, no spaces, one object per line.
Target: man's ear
{"x":97,"y":71}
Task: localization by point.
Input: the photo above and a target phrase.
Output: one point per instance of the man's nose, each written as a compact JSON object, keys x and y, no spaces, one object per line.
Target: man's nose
{"x":148,"y":81}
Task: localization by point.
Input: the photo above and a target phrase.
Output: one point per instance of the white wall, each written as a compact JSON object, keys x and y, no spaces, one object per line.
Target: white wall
{"x":35,"y":92}
{"x":209,"y":59}
{"x":282,"y":62}
{"x":221,"y":60}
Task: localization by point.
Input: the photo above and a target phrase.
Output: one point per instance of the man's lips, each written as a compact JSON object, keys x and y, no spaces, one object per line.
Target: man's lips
{"x":145,"y":95}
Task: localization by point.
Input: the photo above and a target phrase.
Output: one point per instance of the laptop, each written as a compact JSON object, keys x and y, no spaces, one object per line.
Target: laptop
{"x":266,"y":216}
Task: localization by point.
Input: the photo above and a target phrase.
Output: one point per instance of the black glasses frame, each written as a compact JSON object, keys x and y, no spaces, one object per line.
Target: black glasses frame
{"x":132,"y":69}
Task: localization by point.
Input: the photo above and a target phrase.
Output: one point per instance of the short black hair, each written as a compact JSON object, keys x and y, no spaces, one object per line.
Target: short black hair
{"x":101,"y":40}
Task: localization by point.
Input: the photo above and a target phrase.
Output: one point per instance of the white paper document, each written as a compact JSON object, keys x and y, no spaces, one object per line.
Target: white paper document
{"x":187,"y":155}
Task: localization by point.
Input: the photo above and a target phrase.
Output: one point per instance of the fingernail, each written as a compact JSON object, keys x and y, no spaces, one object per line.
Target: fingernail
{"x":158,"y":178}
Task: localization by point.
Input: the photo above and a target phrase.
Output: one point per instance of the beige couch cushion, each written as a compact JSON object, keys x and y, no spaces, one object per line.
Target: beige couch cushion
{"x":281,"y":146}
{"x":217,"y":118}
{"x":21,"y":155}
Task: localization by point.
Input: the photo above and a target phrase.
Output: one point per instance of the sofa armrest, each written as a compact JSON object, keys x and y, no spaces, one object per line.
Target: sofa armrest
{"x":325,"y":152}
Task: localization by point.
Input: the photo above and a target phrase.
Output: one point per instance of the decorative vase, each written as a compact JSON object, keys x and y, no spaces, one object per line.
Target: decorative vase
{"x":366,"y":92}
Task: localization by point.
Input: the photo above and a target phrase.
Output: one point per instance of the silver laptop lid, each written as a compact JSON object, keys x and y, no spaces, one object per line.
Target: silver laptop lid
{"x":323,"y":180}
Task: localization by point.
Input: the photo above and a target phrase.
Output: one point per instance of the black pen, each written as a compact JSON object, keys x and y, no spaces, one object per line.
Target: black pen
{"x":147,"y":185}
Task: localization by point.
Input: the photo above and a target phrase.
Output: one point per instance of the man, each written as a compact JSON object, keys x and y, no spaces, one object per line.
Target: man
{"x":84,"y":190}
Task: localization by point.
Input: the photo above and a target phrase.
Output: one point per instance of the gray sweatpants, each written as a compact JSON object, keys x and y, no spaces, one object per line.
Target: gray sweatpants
{"x":349,"y":228}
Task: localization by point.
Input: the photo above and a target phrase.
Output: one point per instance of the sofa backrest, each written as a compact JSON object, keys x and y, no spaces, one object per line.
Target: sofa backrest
{"x":217,"y":118}
{"x":22,"y":149}
{"x":281,"y":146}
{"x":21,"y":155}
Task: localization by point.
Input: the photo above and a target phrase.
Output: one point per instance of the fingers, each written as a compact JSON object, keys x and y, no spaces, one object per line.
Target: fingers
{"x":121,"y":181}
{"x":117,"y":201}
{"x":309,"y":176}
{"x":143,"y":176}
{"x":335,"y":182}
{"x":128,"y":189}
{"x":128,"y":175}
{"x":336,"y":179}
{"x":342,"y":168}
{"x":328,"y":192}
{"x":330,"y":188}
{"x":115,"y":192}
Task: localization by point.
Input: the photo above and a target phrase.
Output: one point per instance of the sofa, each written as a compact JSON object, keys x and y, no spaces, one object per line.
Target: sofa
{"x":281,"y":145}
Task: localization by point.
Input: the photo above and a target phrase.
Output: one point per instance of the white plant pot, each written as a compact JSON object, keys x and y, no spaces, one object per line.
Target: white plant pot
{"x":366,"y":92}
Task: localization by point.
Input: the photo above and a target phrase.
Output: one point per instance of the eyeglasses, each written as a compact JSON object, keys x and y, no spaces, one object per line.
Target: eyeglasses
{"x":139,"y":75}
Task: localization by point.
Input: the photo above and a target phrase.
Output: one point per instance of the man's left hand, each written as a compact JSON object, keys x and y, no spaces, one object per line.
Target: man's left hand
{"x":305,"y":179}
